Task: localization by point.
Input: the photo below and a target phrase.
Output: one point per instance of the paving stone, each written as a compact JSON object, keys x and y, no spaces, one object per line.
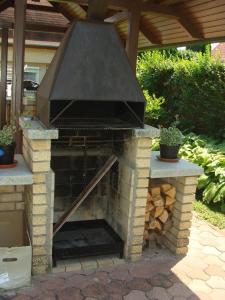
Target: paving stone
{"x":222,"y":257}
{"x":135,"y":295}
{"x":114,"y":297}
{"x":213,"y":260}
{"x":217,"y":294}
{"x":117,"y":287}
{"x":95,"y":290}
{"x":20,"y":297}
{"x":199,"y":285}
{"x":45,"y":296}
{"x":211,"y":250}
{"x":53,"y":284}
{"x":179,"y":290}
{"x":78,"y":281}
{"x":101,"y":277}
{"x":215,"y":270}
{"x":121,"y":274}
{"x":216,"y":282}
{"x":70,"y":293}
{"x":159,"y":293}
{"x":200,"y":296}
{"x":161,"y":281}
{"x":139,"y":284}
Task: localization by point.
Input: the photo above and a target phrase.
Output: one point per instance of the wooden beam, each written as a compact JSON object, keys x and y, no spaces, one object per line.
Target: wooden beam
{"x":63,"y":11}
{"x":4,"y":59}
{"x":43,"y":8}
{"x":97,"y":9}
{"x":18,"y":63}
{"x":148,"y":31}
{"x":5,"y":4}
{"x":118,"y":17}
{"x":45,"y":28}
{"x":159,"y":10}
{"x":132,"y":38}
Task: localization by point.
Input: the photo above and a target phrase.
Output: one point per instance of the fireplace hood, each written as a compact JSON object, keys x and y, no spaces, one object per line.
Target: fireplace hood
{"x":90,"y":83}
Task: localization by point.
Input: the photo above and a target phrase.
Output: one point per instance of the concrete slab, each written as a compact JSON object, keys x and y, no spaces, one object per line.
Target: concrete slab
{"x":183,"y":168}
{"x":20,"y":175}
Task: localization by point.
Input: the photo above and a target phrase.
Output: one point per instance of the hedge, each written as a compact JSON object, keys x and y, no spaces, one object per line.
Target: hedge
{"x":191,"y":85}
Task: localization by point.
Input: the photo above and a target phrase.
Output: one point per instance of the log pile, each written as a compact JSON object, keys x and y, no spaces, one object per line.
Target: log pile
{"x":158,"y":214}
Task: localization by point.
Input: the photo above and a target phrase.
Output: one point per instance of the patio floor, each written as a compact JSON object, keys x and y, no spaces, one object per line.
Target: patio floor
{"x":159,"y":275}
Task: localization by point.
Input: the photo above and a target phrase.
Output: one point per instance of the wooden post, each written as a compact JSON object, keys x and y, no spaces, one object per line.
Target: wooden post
{"x":132,"y":37}
{"x":18,"y":63}
{"x":4,"y":59}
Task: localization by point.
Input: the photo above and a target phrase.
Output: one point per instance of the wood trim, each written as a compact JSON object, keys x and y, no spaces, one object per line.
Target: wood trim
{"x":5,"y":4}
{"x":118,"y":17}
{"x":97,"y":9}
{"x":18,"y":65}
{"x":148,"y":31}
{"x":4,"y":59}
{"x":63,"y":11}
{"x":132,"y":37}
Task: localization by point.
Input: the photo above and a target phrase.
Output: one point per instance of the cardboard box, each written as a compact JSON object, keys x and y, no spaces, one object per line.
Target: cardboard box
{"x":15,"y":251}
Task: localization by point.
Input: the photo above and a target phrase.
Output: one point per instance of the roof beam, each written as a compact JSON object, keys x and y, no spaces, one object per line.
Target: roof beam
{"x":58,"y":7}
{"x":43,"y":8}
{"x":148,"y":31}
{"x":133,"y":35}
{"x":97,"y":9}
{"x":5,"y":4}
{"x":118,"y":17}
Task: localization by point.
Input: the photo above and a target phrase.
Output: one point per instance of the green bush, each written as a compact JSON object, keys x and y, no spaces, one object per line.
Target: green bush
{"x":193,"y":86}
{"x":211,"y":157}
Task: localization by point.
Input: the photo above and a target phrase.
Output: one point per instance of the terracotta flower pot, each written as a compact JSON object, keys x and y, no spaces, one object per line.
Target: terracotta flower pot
{"x":169,"y":152}
{"x":7,"y":154}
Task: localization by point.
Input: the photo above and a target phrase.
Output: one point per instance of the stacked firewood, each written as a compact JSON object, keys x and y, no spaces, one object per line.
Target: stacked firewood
{"x":158,"y":214}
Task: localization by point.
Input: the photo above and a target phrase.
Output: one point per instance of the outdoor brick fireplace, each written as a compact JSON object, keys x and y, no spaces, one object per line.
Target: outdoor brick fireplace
{"x":120,"y":198}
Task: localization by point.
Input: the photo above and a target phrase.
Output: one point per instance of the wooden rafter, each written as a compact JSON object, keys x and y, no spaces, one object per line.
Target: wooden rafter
{"x":59,"y":8}
{"x":133,"y":35}
{"x":148,"y":31}
{"x":4,"y":4}
{"x":118,"y":17}
{"x":97,"y":9}
{"x":43,"y":8}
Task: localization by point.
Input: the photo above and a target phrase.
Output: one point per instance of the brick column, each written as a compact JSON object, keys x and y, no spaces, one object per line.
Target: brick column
{"x":137,"y":154}
{"x":39,"y":197}
{"x":177,"y":238}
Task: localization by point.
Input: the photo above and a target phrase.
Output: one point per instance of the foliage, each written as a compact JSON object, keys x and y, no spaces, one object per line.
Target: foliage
{"x":153,"y":108}
{"x":211,"y":185}
{"x":211,"y":157}
{"x":171,"y":136}
{"x":7,"y":135}
{"x":210,"y":213}
{"x":193,"y":86}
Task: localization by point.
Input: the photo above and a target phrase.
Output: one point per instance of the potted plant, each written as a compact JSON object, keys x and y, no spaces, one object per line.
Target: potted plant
{"x":7,"y":145}
{"x":171,"y":139}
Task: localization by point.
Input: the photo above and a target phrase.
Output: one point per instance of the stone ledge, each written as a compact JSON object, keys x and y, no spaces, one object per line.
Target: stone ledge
{"x":146,"y":132}
{"x":35,"y":130}
{"x":183,"y":168}
{"x":20,"y":175}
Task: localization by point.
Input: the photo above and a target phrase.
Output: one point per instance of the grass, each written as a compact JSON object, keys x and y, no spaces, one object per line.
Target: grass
{"x":210,"y":213}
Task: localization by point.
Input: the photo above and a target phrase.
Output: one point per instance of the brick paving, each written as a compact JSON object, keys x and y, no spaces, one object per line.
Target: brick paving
{"x":158,"y":276}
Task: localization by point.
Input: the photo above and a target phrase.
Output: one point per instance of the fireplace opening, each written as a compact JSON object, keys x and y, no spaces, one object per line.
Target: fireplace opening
{"x":76,"y":158}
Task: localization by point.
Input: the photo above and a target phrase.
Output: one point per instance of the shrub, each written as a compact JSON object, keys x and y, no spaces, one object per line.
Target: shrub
{"x":211,"y":157}
{"x":171,"y":136}
{"x":193,"y":86}
{"x":7,"y":135}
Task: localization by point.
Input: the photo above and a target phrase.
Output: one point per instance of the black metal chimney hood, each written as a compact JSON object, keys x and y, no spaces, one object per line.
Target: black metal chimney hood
{"x":90,"y":83}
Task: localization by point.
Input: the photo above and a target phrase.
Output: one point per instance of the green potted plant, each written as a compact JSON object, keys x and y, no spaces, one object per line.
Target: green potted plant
{"x":7,"y":145}
{"x":171,"y":139}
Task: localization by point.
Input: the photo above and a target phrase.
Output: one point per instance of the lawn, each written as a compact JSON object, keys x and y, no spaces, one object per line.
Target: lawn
{"x":210,"y":213}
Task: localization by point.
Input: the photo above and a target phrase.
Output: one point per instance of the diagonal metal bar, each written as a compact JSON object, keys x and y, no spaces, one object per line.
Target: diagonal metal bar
{"x":83,"y":195}
{"x":62,"y":111}
{"x":134,"y":114}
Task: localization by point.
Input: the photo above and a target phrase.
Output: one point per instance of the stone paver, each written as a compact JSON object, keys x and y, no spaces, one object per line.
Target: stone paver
{"x":159,"y":275}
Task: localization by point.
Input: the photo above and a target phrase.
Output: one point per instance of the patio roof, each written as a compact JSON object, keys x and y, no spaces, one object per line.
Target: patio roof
{"x":161,"y":23}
